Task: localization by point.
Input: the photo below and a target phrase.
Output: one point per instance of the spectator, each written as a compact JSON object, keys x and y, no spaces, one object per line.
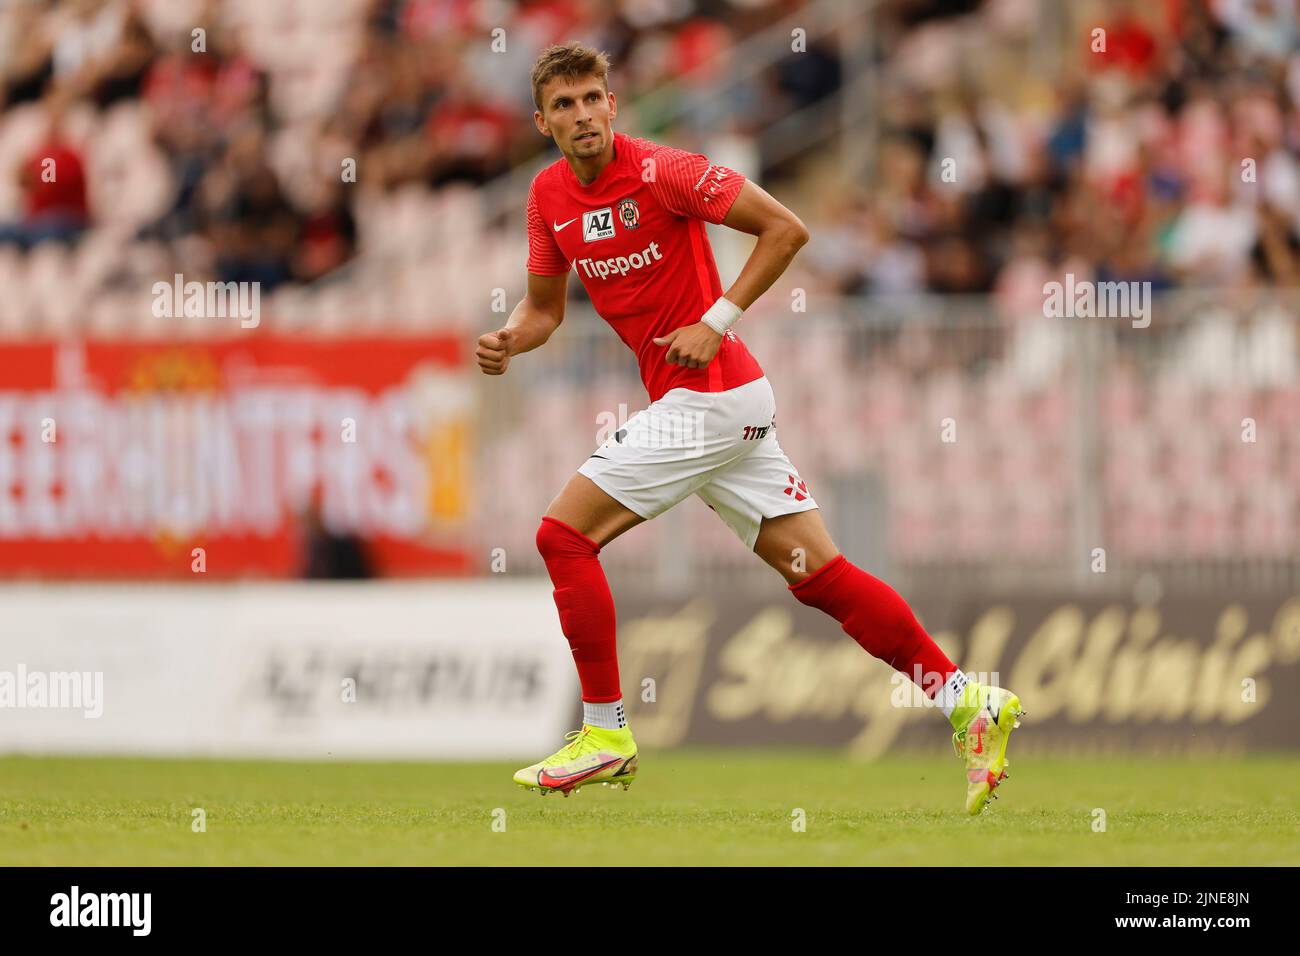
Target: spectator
{"x":52,"y":179}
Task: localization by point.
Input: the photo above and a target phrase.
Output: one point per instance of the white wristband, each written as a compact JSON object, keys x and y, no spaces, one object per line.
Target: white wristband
{"x":722,"y":315}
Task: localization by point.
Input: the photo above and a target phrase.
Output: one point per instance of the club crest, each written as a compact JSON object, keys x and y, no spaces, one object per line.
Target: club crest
{"x":628,"y":213}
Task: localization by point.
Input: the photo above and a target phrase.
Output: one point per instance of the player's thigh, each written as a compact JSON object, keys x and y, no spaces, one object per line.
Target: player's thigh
{"x":795,"y":545}
{"x":586,"y":508}
{"x":768,"y":505}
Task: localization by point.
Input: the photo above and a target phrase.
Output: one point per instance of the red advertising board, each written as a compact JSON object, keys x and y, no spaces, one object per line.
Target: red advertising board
{"x":120,"y":459}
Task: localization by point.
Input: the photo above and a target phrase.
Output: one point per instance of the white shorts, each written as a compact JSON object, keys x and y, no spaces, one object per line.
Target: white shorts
{"x":719,"y":445}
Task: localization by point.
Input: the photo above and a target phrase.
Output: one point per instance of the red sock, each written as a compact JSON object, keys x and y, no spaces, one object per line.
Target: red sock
{"x":872,"y":613}
{"x":586,"y":607}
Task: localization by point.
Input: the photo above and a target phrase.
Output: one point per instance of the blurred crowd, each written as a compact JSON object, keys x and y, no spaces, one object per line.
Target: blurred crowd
{"x":246,"y":115}
{"x":1113,"y":139}
{"x":1014,"y":140}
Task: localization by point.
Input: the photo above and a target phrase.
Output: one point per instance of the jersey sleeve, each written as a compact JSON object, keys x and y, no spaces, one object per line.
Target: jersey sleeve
{"x":687,"y":184}
{"x":545,"y":258}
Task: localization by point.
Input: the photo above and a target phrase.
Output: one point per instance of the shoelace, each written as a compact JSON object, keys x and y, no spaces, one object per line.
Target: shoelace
{"x":573,"y":748}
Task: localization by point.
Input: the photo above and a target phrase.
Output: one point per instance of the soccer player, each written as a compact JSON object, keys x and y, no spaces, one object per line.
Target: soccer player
{"x":629,"y":214}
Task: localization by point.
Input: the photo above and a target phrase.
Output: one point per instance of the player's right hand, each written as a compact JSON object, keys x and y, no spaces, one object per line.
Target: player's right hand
{"x":494,"y":351}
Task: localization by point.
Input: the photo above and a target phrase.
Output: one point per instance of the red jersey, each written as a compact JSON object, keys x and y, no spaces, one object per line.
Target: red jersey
{"x":636,"y":238}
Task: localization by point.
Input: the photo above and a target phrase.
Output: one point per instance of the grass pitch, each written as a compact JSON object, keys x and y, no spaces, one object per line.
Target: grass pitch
{"x":712,"y":808}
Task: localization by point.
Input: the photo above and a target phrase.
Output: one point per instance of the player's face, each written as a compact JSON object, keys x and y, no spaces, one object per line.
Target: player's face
{"x":577,"y":112}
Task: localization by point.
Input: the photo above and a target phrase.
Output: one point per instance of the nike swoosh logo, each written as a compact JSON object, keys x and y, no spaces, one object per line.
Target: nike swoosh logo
{"x":560,"y":225}
{"x":549,"y":780}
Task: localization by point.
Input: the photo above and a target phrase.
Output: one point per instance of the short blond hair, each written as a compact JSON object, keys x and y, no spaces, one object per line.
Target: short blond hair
{"x":571,"y":60}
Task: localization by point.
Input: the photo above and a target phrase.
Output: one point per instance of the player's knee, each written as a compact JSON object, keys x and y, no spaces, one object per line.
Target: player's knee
{"x":556,"y":540}
{"x":549,"y":539}
{"x":815,"y":558}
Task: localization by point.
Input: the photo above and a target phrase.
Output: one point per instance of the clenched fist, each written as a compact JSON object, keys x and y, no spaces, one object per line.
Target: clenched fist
{"x":494,"y":351}
{"x":691,"y":346}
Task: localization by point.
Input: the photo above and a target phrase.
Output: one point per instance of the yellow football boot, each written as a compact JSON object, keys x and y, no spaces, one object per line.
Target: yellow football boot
{"x":984,"y":720}
{"x":593,"y":755}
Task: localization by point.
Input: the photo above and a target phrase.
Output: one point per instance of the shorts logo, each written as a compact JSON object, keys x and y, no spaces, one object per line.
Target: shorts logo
{"x":598,"y":224}
{"x":628,"y":214}
{"x":798,"y":489}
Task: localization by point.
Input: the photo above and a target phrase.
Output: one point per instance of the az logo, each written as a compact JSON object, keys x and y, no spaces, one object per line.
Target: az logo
{"x":598,"y":224}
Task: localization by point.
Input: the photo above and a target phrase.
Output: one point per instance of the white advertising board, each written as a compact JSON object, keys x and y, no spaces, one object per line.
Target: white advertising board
{"x":306,"y":670}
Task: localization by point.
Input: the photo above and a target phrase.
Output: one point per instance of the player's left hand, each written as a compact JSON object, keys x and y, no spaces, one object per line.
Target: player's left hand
{"x":691,"y":346}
